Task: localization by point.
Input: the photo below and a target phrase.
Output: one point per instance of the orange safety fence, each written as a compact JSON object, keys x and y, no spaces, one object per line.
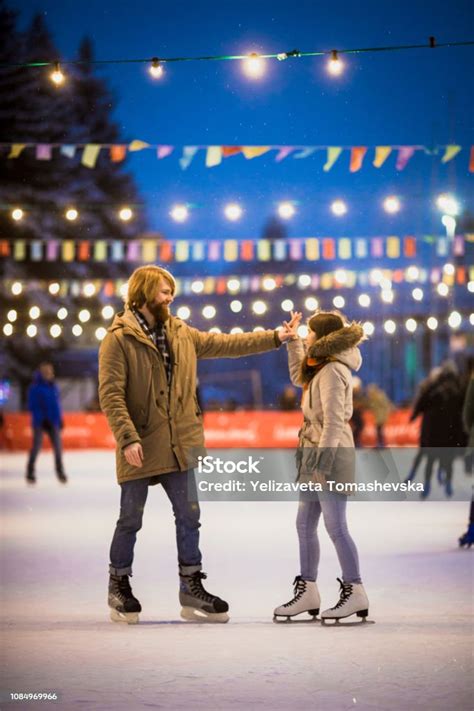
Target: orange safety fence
{"x":243,"y":429}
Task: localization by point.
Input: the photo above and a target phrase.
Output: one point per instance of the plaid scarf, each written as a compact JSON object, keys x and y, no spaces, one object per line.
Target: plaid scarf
{"x":157,"y":335}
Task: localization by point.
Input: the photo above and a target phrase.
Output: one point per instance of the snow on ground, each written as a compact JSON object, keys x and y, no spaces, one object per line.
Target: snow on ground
{"x":57,"y":637}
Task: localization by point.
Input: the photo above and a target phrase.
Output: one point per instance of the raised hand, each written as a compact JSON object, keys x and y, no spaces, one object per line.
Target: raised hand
{"x":289,"y":332}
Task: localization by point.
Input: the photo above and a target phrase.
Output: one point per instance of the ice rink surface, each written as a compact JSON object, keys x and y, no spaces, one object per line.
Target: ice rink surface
{"x":57,"y":636}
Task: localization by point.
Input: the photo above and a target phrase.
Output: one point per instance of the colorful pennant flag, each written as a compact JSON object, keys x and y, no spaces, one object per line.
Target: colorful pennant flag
{"x":44,"y":151}
{"x":90,"y":155}
{"x":449,"y":153}
{"x":213,"y":156}
{"x":381,"y":155}
{"x":333,"y":154}
{"x":188,"y":154}
{"x":164,"y":151}
{"x":254,"y":151}
{"x":357,"y":158}
{"x":118,"y":153}
{"x":16,"y":150}
{"x":404,"y":155}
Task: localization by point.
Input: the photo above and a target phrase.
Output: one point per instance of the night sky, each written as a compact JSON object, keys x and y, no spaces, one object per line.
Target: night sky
{"x":414,"y":97}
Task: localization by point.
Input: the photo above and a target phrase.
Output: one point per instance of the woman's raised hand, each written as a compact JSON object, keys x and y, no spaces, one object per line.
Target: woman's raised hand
{"x":289,"y":332}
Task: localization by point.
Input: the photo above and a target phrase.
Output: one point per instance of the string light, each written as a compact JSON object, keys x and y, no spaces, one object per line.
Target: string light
{"x":17,"y":214}
{"x":125,"y":214}
{"x":339,"y":302}
{"x":236,"y":306}
{"x":184,"y":312}
{"x":156,"y":68}
{"x":72,"y":214}
{"x":311,"y":303}
{"x":417,"y":294}
{"x":287,"y":305}
{"x":302,"y":330}
{"x":197,"y":287}
{"x":338,"y":208}
{"x":55,"y":330}
{"x":233,"y":211}
{"x":100,"y":333}
{"x":269,"y":284}
{"x":364,"y":300}
{"x":470,"y":286}
{"x":54,"y":288}
{"x":254,"y":66}
{"x":31,"y":331}
{"x":447,"y":203}
{"x":335,"y":65}
{"x":179,"y":213}
{"x":369,"y":328}
{"x":304,"y":280}
{"x":215,"y":329}
{"x":391,"y":205}
{"x":449,"y":269}
{"x":411,"y":325}
{"x":107,"y":312}
{"x":209,"y":312}
{"x":471,"y":319}
{"x":432,"y":323}
{"x":341,"y":276}
{"x":77,"y":330}
{"x":233,"y":285}
{"x":7,"y":329}
{"x":387,"y":296}
{"x":12,"y":315}
{"x":442,"y":289}
{"x":35,"y":312}
{"x":286,"y":210}
{"x":413,"y":273}
{"x":259,"y":308}
{"x":84,"y":316}
{"x":455,"y":319}
{"x":390,"y":327}
{"x":17,"y":288}
{"x":236,"y":329}
{"x":89,"y":289}
{"x":62,"y":314}
{"x":57,"y":77}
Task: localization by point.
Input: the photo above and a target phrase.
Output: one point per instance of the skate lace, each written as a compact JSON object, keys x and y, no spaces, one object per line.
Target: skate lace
{"x":123,"y":588}
{"x":345,"y":593}
{"x":299,"y":589}
{"x":198,"y":589}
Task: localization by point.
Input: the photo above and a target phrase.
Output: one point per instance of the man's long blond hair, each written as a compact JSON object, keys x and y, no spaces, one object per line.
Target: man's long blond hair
{"x":143,"y":284}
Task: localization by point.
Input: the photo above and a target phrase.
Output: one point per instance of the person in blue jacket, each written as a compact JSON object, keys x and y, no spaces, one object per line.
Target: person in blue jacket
{"x":45,"y":407}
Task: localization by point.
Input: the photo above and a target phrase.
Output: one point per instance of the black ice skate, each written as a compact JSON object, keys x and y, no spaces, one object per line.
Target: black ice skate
{"x":197,"y":604}
{"x":124,"y":607}
{"x":353,"y":600}
{"x":306,"y":599}
{"x":468,"y":538}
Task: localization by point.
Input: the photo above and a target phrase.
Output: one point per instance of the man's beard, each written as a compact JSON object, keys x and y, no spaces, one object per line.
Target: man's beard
{"x":160,"y":312}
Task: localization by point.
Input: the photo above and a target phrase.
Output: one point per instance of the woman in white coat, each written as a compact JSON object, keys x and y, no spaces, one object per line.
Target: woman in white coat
{"x":322,"y":366}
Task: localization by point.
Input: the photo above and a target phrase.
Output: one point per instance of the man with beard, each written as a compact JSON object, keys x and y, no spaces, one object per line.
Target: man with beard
{"x":147,"y":389}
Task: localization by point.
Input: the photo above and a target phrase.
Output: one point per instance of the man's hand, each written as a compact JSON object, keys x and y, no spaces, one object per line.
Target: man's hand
{"x":319,"y":478}
{"x":134,"y":454}
{"x":289,"y":332}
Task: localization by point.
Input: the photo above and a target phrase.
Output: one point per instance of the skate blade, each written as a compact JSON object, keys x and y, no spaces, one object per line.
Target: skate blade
{"x":291,"y":619}
{"x":125,"y":618}
{"x":192,"y":614}
{"x":341,"y":622}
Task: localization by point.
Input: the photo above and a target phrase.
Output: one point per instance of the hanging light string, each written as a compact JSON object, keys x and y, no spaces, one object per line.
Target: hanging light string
{"x":295,"y":53}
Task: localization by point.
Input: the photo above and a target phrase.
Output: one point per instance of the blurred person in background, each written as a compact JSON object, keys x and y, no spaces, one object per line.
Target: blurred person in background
{"x":44,"y":403}
{"x":381,"y":407}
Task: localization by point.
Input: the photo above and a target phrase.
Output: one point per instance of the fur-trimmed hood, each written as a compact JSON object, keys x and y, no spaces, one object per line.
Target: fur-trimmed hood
{"x":339,"y":345}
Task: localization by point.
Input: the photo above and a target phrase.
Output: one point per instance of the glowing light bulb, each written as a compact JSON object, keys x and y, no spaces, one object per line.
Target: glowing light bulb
{"x":12,"y":315}
{"x":62,"y":314}
{"x":197,"y":287}
{"x":100,"y":333}
{"x":233,"y":285}
{"x":442,"y":289}
{"x":72,"y":214}
{"x":254,"y":66}
{"x":17,"y":214}
{"x":259,"y":307}
{"x":413,"y":273}
{"x":390,"y":326}
{"x":107,"y":312}
{"x":447,"y":203}
{"x":7,"y":329}
{"x":417,"y":294}
{"x":432,"y":323}
{"x":341,"y":276}
{"x":287,"y":305}
{"x":209,"y":312}
{"x":184,"y":312}
{"x":55,"y":330}
{"x":311,"y":303}
{"x":76,"y":330}
{"x":369,"y":328}
{"x":339,"y":302}
{"x":302,"y":330}
{"x":233,"y":212}
{"x":54,"y":288}
{"x":304,"y":280}
{"x":364,"y":300}
{"x":338,"y":208}
{"x":84,"y":316}
{"x":449,"y":269}
{"x":35,"y":312}
{"x":455,"y":319}
{"x":89,"y":289}
{"x":335,"y":66}
{"x":125,"y":214}
{"x":236,"y":329}
{"x":410,"y":325}
{"x":236,"y":306}
{"x":215,"y":329}
{"x":179,"y":213}
{"x":286,"y":210}
{"x":31,"y":331}
{"x":391,"y":205}
{"x":269,"y":284}
{"x":17,"y":288}
{"x":57,"y":77}
{"x":156,"y":68}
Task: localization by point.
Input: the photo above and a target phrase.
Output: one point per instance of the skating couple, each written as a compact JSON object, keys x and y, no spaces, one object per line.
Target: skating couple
{"x":147,"y":389}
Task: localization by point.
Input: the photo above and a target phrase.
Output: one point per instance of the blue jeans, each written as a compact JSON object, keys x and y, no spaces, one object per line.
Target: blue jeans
{"x":333,"y":508}
{"x":54,"y":434}
{"x":180,"y":487}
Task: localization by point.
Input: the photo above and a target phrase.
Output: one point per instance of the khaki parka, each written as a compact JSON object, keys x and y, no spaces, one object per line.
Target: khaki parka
{"x":139,"y":405}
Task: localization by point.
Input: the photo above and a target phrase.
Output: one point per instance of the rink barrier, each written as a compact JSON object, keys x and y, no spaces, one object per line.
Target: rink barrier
{"x":247,"y":429}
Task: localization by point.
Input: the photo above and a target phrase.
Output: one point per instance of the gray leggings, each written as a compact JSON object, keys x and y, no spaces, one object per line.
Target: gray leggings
{"x":333,"y":507}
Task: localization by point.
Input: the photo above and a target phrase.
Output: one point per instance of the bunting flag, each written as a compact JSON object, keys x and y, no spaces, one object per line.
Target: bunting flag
{"x":150,"y":250}
{"x":255,"y":151}
{"x":188,"y":154}
{"x":404,"y":155}
{"x":90,"y":155}
{"x":215,"y":153}
{"x":44,"y":152}
{"x":164,"y":151}
{"x":381,"y":155}
{"x":16,"y":150}
{"x":449,"y":153}
{"x":332,"y":155}
{"x":69,"y":151}
{"x":118,"y":153}
{"x":213,"y":156}
{"x":357,"y":157}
